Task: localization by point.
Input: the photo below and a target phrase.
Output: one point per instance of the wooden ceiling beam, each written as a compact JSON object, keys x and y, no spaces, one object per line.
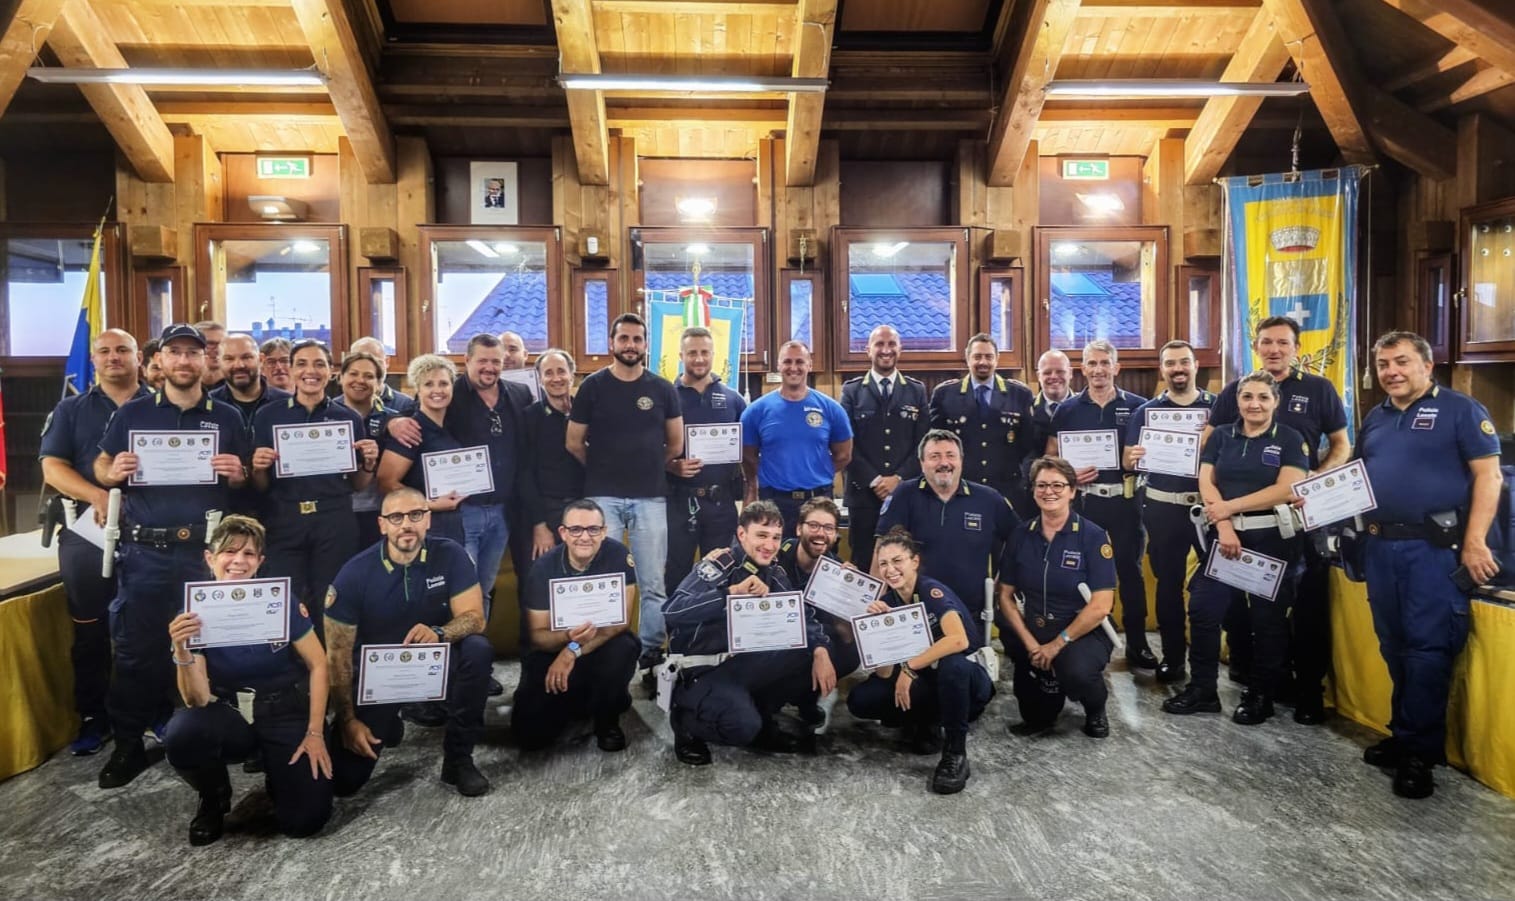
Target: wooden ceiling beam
{"x":1034,"y":49}
{"x":1260,"y":57}
{"x":814,"y":24}
{"x":1124,"y":116}
{"x":578,"y":54}
{"x":697,"y":7}
{"x":335,"y":44}
{"x":1321,"y":52}
{"x":24,"y":35}
{"x":1156,"y":9}
{"x":443,"y":116}
{"x":79,"y":39}
{"x":1476,"y":85}
{"x":1473,"y":25}
{"x":314,"y":112}
{"x":1441,"y":65}
{"x":1411,"y":137}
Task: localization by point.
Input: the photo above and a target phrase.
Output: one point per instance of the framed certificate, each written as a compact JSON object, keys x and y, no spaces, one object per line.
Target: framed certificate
{"x":402,"y":673}
{"x":1169,"y":453}
{"x":598,"y":600}
{"x":1256,"y":574}
{"x":1335,"y":495}
{"x":243,"y":612}
{"x":1099,"y":448}
{"x":314,"y":449}
{"x":710,"y":444}
{"x":1178,"y":419}
{"x":527,"y":377}
{"x":773,"y":622}
{"x":891,"y":637}
{"x":173,"y":457}
{"x":465,"y":470}
{"x":841,"y":590}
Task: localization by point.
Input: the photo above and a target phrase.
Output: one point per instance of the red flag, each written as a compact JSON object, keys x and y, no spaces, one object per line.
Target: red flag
{"x":2,"y":441}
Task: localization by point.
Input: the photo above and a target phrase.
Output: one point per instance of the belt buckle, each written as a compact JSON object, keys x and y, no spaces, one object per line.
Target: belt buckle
{"x":182,"y":534}
{"x":1041,"y":621}
{"x":1373,"y":528}
{"x":799,"y":495}
{"x":307,"y":506}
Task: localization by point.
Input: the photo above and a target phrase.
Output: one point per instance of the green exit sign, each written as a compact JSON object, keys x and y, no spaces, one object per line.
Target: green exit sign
{"x":284,"y":167}
{"x":1086,"y":170}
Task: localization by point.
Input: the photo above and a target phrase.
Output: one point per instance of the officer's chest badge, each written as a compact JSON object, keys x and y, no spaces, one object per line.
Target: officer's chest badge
{"x":644,"y":404}
{"x":814,"y":419}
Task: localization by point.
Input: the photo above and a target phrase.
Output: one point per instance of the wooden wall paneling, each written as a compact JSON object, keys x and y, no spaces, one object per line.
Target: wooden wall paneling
{"x":580,"y":209}
{"x":199,"y":196}
{"x":903,"y":194}
{"x":3,"y":204}
{"x":1163,"y":204}
{"x":1034,"y":55}
{"x":363,"y":205}
{"x":321,"y":192}
{"x":1203,"y":222}
{"x":629,"y":196}
{"x":1485,"y":167}
{"x":415,"y":205}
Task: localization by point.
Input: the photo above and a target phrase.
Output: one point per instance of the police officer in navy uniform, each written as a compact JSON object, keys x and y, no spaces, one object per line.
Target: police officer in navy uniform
{"x":1246,"y":478}
{"x":1054,"y":375}
{"x":359,"y":379}
{"x":70,"y":444}
{"x":1433,"y":458}
{"x":582,"y":671}
{"x":701,"y":497}
{"x":888,"y":411}
{"x":311,"y":527}
{"x":934,"y":695}
{"x":392,"y":399}
{"x":1167,"y":499}
{"x":289,"y":682}
{"x":993,"y":417}
{"x":1310,"y":405}
{"x":1057,"y":644}
{"x":959,"y":526}
{"x":558,"y":474}
{"x":410,"y":589}
{"x":816,"y":537}
{"x":1108,"y":496}
{"x":731,"y":699}
{"x":163,"y":538}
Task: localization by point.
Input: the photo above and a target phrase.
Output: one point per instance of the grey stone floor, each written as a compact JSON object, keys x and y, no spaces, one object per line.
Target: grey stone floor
{"x":1165,"y":808}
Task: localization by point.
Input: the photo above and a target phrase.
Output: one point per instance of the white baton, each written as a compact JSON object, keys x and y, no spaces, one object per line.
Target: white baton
{"x":1104,"y":621}
{"x":112,"y":533}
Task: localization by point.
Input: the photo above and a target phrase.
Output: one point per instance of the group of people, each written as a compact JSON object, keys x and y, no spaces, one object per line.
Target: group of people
{"x":956,"y":499}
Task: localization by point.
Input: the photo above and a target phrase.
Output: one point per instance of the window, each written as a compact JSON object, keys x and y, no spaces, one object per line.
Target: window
{"x":158,"y":299}
{"x":1433,"y":294}
{"x":1486,"y":327}
{"x":802,"y":312}
{"x":717,"y":273}
{"x":46,"y":268}
{"x":910,"y":279}
{"x":1199,"y":312}
{"x":275,"y":281}
{"x":1103,"y":283}
{"x":596,"y":300}
{"x":1003,"y":314}
{"x":381,"y":310}
{"x":493,"y":280}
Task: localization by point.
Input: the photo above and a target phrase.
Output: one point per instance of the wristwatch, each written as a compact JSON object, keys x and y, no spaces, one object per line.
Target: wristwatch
{"x":576,"y":649}
{"x":441,"y":635}
{"x":905,"y":668}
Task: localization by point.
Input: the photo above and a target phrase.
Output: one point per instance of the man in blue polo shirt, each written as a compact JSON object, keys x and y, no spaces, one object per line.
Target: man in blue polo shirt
{"x":1433,"y":457}
{"x":163,"y":537}
{"x":960,"y":526}
{"x":1310,"y":405}
{"x":407,"y":589}
{"x":70,"y":444}
{"x":583,"y":670}
{"x":701,"y":497}
{"x":1108,"y":496}
{"x":794,"y":440}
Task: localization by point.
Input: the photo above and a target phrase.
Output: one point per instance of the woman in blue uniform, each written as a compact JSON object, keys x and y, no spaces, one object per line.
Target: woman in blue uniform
{"x":289,"y":706}
{"x":1246,"y":473}
{"x":431,"y":378}
{"x":362,"y":378}
{"x":940,"y":689}
{"x":1056,"y":643}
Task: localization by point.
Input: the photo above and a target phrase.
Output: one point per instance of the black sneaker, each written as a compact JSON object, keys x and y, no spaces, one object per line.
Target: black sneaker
{"x":610,"y":738}
{"x":126,"y":763}
{"x":1255,"y":708}
{"x":461,"y":772}
{"x":1096,"y":725}
{"x":1386,"y":753}
{"x":1141,"y":658}
{"x":94,"y":732}
{"x":1193,"y":699}
{"x":1169,"y":673}
{"x":690,"y":750}
{"x":1310,"y":710}
{"x":495,"y":688}
{"x":952,"y":770}
{"x":1413,"y":778}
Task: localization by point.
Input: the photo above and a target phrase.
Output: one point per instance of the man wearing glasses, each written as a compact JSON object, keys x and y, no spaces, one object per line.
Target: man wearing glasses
{"x":816,"y":537}
{"x":407,"y":589}
{"x":276,"y":363}
{"x":583,"y":670}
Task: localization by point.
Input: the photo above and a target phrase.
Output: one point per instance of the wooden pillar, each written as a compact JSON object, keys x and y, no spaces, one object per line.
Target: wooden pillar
{"x":415,"y":205}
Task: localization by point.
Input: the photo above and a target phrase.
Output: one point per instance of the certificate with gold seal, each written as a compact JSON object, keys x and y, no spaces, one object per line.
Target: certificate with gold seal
{"x":773,"y":622}
{"x":597,"y":600}
{"x":891,"y":637}
{"x":465,"y":470}
{"x":402,"y":673}
{"x":314,"y":449}
{"x":173,"y":457}
{"x":1335,"y":495}
{"x":242,"y":612}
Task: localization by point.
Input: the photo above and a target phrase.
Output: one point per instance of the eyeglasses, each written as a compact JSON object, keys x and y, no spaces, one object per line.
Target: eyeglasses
{"x":399,"y":518}
{"x":814,"y":526}
{"x":496,"y":425}
{"x":276,"y":361}
{"x":1053,"y":487}
{"x":581,"y":531}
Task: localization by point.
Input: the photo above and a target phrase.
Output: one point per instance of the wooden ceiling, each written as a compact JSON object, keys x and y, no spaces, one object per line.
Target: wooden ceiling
{"x":908,"y":78}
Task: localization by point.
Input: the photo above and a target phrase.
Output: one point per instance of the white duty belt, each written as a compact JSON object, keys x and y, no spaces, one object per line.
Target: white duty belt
{"x":1099,"y":490}
{"x":1184,"y":498}
{"x":1283,"y":518}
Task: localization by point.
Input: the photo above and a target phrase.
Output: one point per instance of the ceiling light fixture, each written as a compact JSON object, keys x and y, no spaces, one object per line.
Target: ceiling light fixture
{"x":888,"y":250}
{"x":146,"y":75}
{"x":306,"y":247}
{"x":1102,"y":203}
{"x":698,"y":209}
{"x":505,"y":249}
{"x":697,"y":249}
{"x":482,"y":249}
{"x":1153,"y":88}
{"x":278,"y":208}
{"x":704,"y":84}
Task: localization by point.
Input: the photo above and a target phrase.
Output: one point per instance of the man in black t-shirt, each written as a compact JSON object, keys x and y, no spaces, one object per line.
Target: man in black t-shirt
{"x":625,"y":426}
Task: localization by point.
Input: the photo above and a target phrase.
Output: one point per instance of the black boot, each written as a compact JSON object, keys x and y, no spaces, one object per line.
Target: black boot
{"x":126,"y":763}
{"x":1254,"y":709}
{"x":690,"y":750}
{"x":214,"y":787}
{"x":924,"y":738}
{"x":1193,"y":699}
{"x":952,"y":771}
{"x":461,"y":772}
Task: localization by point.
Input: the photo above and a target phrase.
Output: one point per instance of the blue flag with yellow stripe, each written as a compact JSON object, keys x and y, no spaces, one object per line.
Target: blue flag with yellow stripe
{"x":79,"y":371}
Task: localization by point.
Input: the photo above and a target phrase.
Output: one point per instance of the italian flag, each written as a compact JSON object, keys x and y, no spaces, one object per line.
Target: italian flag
{"x":696,"y":306}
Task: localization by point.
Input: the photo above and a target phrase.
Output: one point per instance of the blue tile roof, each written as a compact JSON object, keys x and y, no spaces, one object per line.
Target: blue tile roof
{"x":919,"y":307}
{"x":517,"y":303}
{"x":1090,"y":303}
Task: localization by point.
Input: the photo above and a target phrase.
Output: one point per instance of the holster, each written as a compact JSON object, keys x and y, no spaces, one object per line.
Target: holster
{"x":1444,"y":528}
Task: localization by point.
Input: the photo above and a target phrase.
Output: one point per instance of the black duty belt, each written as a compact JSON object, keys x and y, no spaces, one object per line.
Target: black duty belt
{"x":711,"y":491}
{"x":798,"y":495}
{"x":1398,"y":531}
{"x":165,"y":536}
{"x":320,"y":505}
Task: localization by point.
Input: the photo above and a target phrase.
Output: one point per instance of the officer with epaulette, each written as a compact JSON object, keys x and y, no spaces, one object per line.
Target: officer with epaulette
{"x":408,"y":589}
{"x":1167,"y":498}
{"x":992,"y":415}
{"x":959,"y":525}
{"x":1054,"y":375}
{"x":731,"y":699}
{"x":310,"y":523}
{"x":359,"y":380}
{"x":1108,"y":496}
{"x":70,"y":444}
{"x":888,"y":411}
{"x":1433,"y":457}
{"x":163,"y":532}
{"x":701,"y":497}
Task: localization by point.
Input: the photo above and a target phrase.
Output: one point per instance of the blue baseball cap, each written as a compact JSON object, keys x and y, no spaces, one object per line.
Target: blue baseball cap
{"x":181,"y":330}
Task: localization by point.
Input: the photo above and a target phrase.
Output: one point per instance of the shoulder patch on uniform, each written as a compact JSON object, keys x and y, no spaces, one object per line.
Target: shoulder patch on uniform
{"x":304,"y":611}
{"x":937,"y":593}
{"x":331,"y":595}
{"x":1487,"y":427}
{"x":631,"y":561}
{"x":1106,"y":551}
{"x":48,"y":422}
{"x":1305,"y":447}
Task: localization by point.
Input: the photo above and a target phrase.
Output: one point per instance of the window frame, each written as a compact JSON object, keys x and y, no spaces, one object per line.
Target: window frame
{"x":211,"y":304}
{"x":1009,"y":357}
{"x":141,"y":312}
{"x":1428,"y":320}
{"x":367,"y":275}
{"x":819,"y":332}
{"x":762,"y":276}
{"x":112,"y":270}
{"x":842,"y":240}
{"x":431,"y":235}
{"x":1468,"y":349}
{"x":1204,"y":357}
{"x":1045,"y":235}
{"x":579,"y":280}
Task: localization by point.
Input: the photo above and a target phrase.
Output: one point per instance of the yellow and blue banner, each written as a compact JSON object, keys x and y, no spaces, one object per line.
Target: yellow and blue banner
{"x":670,"y":312}
{"x":79,"y":371}
{"x":1291,"y":250}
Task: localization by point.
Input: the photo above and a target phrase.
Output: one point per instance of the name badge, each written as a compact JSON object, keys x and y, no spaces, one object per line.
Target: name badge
{"x":1298,"y":403}
{"x":718,"y":401}
{"x":1122,"y":415}
{"x":1072,"y":559}
{"x":1271,"y":455}
{"x":436,"y":582}
{"x":973,"y":522}
{"x":1423,"y":422}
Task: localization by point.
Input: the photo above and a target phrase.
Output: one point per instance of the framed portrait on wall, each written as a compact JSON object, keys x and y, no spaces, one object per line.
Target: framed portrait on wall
{"x":494,"y":195}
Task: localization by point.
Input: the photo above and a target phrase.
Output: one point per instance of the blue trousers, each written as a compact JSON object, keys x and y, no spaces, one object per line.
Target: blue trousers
{"x":597,"y":689}
{"x":1264,"y":623}
{"x":1078,"y":672}
{"x":309,"y":550}
{"x":149,"y":593}
{"x":730,"y":703}
{"x":89,"y":597}
{"x":951,"y":695}
{"x":1122,"y":518}
{"x":696,"y":526}
{"x":1170,"y":537}
{"x":1422,"y":623}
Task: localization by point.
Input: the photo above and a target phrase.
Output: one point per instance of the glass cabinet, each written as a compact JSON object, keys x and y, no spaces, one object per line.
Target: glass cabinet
{"x":1486,"y":316}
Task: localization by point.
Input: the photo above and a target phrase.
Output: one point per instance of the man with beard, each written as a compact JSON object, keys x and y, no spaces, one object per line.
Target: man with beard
{"x":1108,"y":496}
{"x":407,"y":589}
{"x":959,"y":524}
{"x":626,"y":425}
{"x":816,"y":537}
{"x":70,"y":444}
{"x":1167,"y":499}
{"x":152,"y":373}
{"x":515,"y":350}
{"x":244,"y":385}
{"x":992,"y":417}
{"x":214,"y":333}
{"x":701,"y":498}
{"x":887,"y":410}
{"x":162,"y":535}
{"x":401,"y":404}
